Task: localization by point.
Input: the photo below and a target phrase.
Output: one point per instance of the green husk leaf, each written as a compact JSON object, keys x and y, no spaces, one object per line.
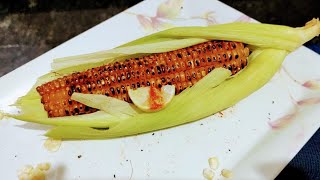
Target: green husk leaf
{"x":255,"y":34}
{"x":107,"y":104}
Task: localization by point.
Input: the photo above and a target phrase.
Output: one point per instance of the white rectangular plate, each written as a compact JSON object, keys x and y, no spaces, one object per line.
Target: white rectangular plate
{"x":251,"y":138}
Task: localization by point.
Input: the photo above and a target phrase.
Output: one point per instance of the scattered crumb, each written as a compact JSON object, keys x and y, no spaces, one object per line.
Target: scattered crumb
{"x":226,"y":173}
{"x":152,"y":134}
{"x":28,"y":172}
{"x":141,"y":150}
{"x":208,"y":173}
{"x":272,"y":102}
{"x":79,"y":156}
{"x":213,"y":163}
{"x":44,"y":166}
{"x":15,"y":156}
{"x":229,"y":150}
{"x":114,"y":176}
{"x":52,"y":145}
{"x":201,"y":124}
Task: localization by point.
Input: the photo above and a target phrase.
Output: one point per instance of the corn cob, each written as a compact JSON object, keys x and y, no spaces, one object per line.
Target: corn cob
{"x":182,"y":68}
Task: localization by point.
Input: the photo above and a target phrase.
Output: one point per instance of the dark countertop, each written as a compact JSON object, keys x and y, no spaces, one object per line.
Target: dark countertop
{"x":28,"y":28}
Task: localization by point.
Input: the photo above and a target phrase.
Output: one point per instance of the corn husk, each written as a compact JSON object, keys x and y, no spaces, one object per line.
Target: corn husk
{"x":215,"y":92}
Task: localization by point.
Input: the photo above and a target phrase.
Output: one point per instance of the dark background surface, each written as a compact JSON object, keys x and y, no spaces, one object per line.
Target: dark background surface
{"x":28,"y":28}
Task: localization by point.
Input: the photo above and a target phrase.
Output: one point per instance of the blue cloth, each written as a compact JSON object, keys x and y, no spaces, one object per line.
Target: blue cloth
{"x":306,"y":164}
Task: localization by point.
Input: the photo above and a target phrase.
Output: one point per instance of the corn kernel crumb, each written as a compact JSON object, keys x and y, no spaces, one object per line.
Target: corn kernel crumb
{"x":226,"y":173}
{"x":208,"y":173}
{"x":28,"y":172}
{"x":44,"y":166}
{"x":52,"y":145}
{"x":213,"y":163}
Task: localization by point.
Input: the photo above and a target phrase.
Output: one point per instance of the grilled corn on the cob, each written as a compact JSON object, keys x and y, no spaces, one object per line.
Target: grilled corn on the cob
{"x":182,"y":68}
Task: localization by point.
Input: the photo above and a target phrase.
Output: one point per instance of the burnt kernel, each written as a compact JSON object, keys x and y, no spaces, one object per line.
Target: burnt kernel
{"x":163,"y":80}
{"x":70,"y":102}
{"x":159,"y":69}
{"x":86,"y":108}
{"x":179,"y":55}
{"x":138,"y":84}
{"x":119,"y":79}
{"x":112,"y":91}
{"x":107,"y":94}
{"x":220,"y":45}
{"x":98,"y":82}
{"x":163,"y":68}
{"x":66,"y":112}
{"x":148,"y":71}
{"x":159,"y":85}
{"x":230,"y":57}
{"x":230,"y":67}
{"x":224,"y":66}
{"x":148,"y":83}
{"x":214,"y":47}
{"x":78,"y":89}
{"x":236,"y":56}
{"x":209,"y":59}
{"x":194,"y":75}
{"x":224,"y":56}
{"x":233,"y":45}
{"x":69,"y":92}
{"x":118,"y":90}
{"x":197,"y":62}
{"x":76,"y":110}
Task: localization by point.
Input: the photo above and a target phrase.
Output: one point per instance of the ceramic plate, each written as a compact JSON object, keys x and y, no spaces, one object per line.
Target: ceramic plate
{"x":255,"y":139}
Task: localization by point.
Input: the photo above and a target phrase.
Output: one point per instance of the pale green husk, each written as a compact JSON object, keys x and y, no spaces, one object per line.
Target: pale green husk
{"x":213,"y":93}
{"x":202,"y":100}
{"x":254,"y":34}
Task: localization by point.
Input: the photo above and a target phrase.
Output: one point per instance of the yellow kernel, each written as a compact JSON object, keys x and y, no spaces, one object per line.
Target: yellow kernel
{"x":226,"y":173}
{"x":37,"y":174}
{"x":208,"y":173}
{"x":44,"y":166}
{"x":213,"y":163}
{"x":52,"y":145}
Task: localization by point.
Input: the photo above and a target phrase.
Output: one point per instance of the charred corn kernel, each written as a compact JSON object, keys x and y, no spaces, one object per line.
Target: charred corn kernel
{"x":182,"y":68}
